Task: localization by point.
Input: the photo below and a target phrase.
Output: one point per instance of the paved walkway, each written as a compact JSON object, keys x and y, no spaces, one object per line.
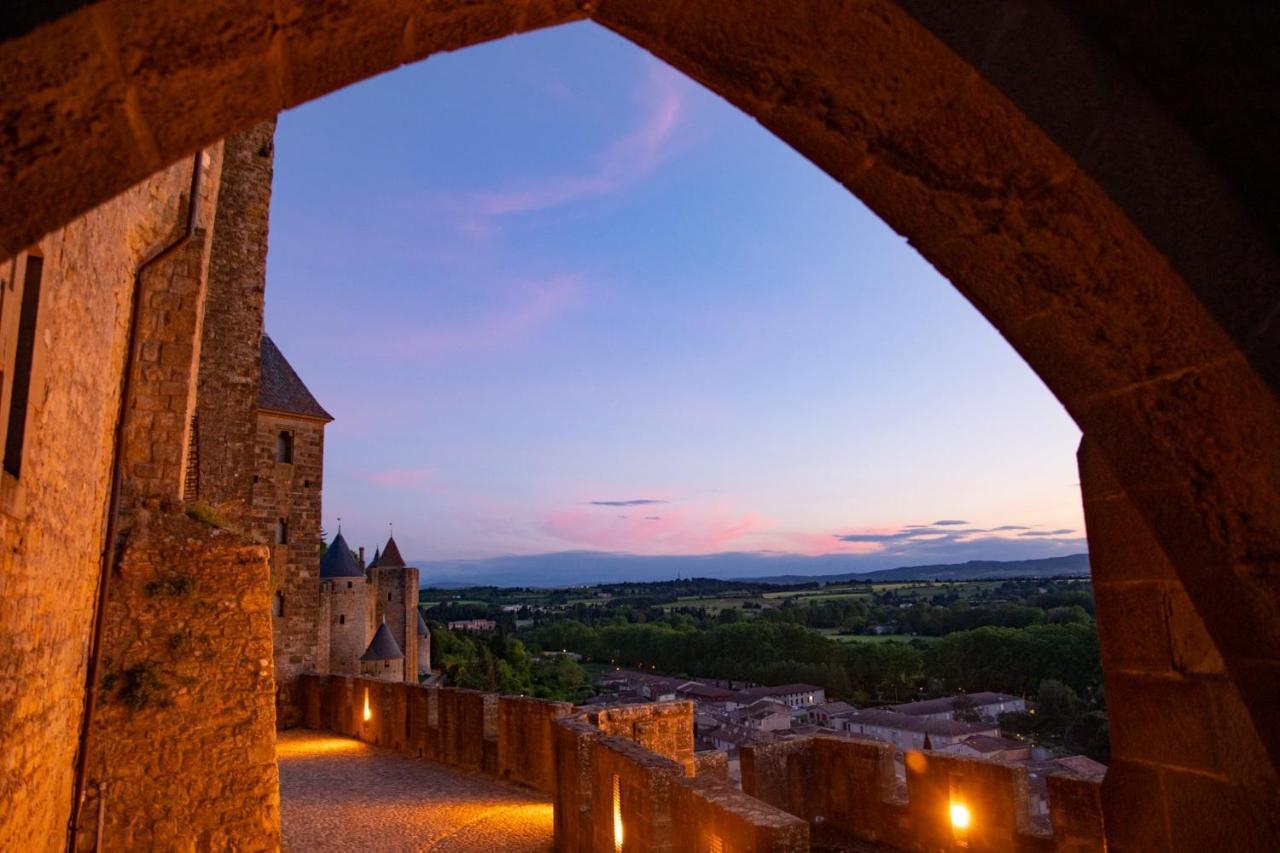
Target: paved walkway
{"x":341,"y":794}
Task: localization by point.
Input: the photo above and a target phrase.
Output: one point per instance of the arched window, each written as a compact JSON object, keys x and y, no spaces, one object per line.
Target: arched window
{"x":342,"y":619}
{"x":388,"y":596}
{"x":277,"y":604}
{"x":282,"y":531}
{"x":348,"y":584}
{"x":284,"y":446}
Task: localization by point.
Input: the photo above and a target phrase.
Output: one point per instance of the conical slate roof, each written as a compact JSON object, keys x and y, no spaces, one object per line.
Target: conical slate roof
{"x":422,"y":625}
{"x":281,"y":390}
{"x":384,"y":645}
{"x":391,"y":558}
{"x":377,"y":554}
{"x":338,"y":561}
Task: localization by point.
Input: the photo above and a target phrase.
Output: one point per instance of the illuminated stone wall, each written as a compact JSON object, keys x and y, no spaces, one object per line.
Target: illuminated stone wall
{"x":52,"y":516}
{"x":846,"y":790}
{"x":184,"y":737}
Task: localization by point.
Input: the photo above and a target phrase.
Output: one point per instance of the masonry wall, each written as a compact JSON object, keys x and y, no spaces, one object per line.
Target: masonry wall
{"x":1182,"y":741}
{"x":349,"y":632}
{"x":547,"y":746}
{"x":846,"y":790}
{"x":51,"y":519}
{"x":230,"y":357}
{"x":184,"y":735}
{"x":665,"y":728}
{"x":396,"y":598}
{"x":291,"y":490}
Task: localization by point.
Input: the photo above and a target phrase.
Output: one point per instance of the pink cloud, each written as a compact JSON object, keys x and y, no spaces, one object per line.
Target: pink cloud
{"x":531,"y":305}
{"x":399,"y":478}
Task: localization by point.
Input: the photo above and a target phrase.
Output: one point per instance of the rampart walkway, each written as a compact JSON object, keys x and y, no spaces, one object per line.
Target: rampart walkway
{"x":341,"y":794}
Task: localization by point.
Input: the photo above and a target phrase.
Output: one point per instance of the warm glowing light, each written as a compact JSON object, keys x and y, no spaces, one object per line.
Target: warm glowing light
{"x":617,"y":815}
{"x":960,"y":816}
{"x":368,"y":712}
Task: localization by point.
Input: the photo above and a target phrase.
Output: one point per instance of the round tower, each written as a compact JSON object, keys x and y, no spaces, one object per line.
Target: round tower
{"x":344,"y":588}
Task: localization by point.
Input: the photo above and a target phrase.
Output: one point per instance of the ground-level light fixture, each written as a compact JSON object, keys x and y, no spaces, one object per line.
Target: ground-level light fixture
{"x":617,"y":814}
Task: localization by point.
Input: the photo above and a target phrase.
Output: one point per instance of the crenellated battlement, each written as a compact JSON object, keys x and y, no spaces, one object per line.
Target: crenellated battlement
{"x":630,"y":773}
{"x":847,"y":788}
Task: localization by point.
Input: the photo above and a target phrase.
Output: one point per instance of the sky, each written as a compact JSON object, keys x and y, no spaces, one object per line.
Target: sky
{"x":559,"y":297}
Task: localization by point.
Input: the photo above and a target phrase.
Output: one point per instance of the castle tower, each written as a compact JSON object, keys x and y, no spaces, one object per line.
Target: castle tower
{"x":288,"y":462}
{"x":395,"y":600}
{"x":383,"y":659}
{"x":424,"y":647}
{"x":345,"y":596}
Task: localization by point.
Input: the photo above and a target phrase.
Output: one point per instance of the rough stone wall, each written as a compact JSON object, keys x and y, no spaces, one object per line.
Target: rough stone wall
{"x":526,"y":746}
{"x":633,"y":783}
{"x":424,"y":653}
{"x":230,"y":356}
{"x":665,"y":728}
{"x":348,"y":623}
{"x":184,"y":735}
{"x":51,"y":525}
{"x":396,"y":598}
{"x":291,"y":490}
{"x":170,"y":313}
{"x":574,"y":737}
{"x":846,"y":789}
{"x":1182,"y":741}
{"x":710,"y":815}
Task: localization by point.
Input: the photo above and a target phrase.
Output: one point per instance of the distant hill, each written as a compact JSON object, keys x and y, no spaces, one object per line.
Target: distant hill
{"x":1049,"y":567}
{"x":585,"y":568}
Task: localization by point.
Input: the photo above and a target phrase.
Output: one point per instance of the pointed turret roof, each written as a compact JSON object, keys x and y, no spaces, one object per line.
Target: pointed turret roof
{"x":338,"y":561}
{"x":422,"y":625}
{"x":281,"y":390}
{"x":391,"y":558}
{"x":383,"y":646}
{"x":377,"y":555}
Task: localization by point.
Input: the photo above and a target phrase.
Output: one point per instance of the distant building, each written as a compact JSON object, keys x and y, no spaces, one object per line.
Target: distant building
{"x":987,"y":705}
{"x":792,"y":695}
{"x":476,"y":626}
{"x":767,"y":715}
{"x":829,"y":713}
{"x":704,"y":694}
{"x":908,"y":732}
{"x":986,"y":746}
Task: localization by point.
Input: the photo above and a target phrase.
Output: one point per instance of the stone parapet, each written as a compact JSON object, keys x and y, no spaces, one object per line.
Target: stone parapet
{"x":629,"y":770}
{"x":628,"y":773}
{"x":847,"y":791}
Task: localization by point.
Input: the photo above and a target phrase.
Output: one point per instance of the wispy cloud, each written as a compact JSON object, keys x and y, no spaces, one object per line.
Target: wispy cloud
{"x":947,"y":534}
{"x":632,"y":502}
{"x":624,"y":162}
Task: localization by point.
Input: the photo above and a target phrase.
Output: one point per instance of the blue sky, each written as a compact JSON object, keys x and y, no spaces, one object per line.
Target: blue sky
{"x":539,"y":280}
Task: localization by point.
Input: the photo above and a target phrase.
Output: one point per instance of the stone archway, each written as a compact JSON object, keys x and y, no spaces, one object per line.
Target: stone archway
{"x":1018,"y":154}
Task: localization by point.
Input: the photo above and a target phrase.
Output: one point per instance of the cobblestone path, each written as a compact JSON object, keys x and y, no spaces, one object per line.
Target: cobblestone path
{"x":341,"y":794}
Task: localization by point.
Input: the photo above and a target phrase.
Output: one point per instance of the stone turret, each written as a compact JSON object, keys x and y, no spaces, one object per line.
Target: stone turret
{"x":345,"y":590}
{"x":383,"y":659}
{"x":394,"y":595}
